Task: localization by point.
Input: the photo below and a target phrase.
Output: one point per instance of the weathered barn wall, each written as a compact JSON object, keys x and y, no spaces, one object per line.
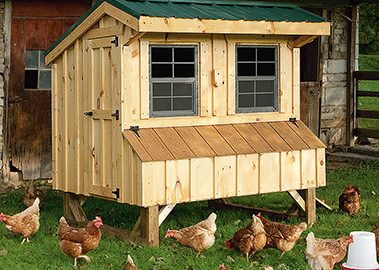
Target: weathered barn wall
{"x":335,"y":57}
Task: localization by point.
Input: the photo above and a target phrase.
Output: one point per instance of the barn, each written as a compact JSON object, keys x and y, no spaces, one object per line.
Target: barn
{"x":156,"y":103}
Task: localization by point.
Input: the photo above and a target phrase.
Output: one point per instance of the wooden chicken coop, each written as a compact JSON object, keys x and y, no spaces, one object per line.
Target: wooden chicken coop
{"x":161,"y":102}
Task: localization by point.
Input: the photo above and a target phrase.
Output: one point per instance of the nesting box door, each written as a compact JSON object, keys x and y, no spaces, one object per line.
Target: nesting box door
{"x":102,"y":95}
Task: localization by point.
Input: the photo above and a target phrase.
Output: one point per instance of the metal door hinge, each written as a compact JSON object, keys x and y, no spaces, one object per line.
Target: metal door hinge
{"x":116,"y":114}
{"x":115,"y":41}
{"x":117,"y":193}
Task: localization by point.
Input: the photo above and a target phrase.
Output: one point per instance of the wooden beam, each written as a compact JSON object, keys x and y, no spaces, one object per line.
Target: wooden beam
{"x":180,"y":25}
{"x":164,"y":212}
{"x":72,"y":207}
{"x":297,"y":198}
{"x":366,"y":75}
{"x":365,"y":132}
{"x":310,"y":205}
{"x":368,"y":93}
{"x":149,"y":225}
{"x":368,"y":114}
{"x":132,"y":39}
{"x":303,"y":40}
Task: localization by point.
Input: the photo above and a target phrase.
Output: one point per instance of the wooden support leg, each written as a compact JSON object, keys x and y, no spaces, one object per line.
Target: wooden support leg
{"x":310,"y":205}
{"x":72,"y":207}
{"x":149,"y":225}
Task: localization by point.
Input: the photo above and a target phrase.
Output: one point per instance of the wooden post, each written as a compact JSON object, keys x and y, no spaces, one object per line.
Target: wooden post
{"x":310,"y":205}
{"x":149,"y":225}
{"x":72,"y":207}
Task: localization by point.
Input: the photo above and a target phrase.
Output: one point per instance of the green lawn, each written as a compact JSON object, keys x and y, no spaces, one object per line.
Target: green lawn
{"x":368,"y":63}
{"x":43,"y":251}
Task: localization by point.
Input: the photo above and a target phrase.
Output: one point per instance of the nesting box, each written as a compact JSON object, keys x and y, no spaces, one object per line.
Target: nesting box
{"x":165,"y":102}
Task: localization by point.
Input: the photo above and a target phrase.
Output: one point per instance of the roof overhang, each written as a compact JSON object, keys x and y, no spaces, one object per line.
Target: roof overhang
{"x":146,"y":24}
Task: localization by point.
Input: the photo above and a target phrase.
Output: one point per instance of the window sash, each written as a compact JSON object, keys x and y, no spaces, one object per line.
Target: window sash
{"x":172,"y":80}
{"x":254,"y":79}
{"x":40,"y":68}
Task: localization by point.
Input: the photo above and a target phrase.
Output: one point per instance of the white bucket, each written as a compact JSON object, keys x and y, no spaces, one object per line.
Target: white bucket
{"x":362,"y":252}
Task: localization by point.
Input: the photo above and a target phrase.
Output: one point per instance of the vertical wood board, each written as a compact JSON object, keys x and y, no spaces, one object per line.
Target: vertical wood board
{"x":308,"y":168}
{"x":202,"y":179}
{"x":177,"y":181}
{"x":225,"y":176}
{"x":269,"y":172}
{"x":290,"y":170}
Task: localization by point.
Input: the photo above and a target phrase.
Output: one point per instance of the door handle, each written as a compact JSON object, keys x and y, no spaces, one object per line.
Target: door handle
{"x":90,"y":113}
{"x":116,"y":114}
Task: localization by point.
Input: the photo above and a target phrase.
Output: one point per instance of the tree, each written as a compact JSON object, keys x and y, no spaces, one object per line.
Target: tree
{"x":369,"y":28}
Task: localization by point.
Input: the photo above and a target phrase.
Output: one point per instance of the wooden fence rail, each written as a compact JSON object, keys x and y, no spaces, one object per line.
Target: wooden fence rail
{"x":371,"y":114}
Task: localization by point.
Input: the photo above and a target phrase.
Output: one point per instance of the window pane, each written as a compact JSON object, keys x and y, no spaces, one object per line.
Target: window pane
{"x":264,"y":100}
{"x":44,"y":81}
{"x":183,"y":89}
{"x":265,"y":69}
{"x":161,"y":89}
{"x":162,"y":71}
{"x":42,"y":59}
{"x":265,"y":86}
{"x":246,"y":87}
{"x":182,"y":104}
{"x":161,"y":104}
{"x":184,"y":70}
{"x":246,"y":69}
{"x":161,"y":54}
{"x":184,"y":54}
{"x":246,"y":54}
{"x":31,"y":59}
{"x":266,"y":54}
{"x":246,"y":101}
{"x":31,"y":79}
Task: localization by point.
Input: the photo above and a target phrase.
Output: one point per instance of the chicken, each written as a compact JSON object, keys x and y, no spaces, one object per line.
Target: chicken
{"x":199,"y":237}
{"x":249,"y":239}
{"x":323,"y":254}
{"x":77,"y":242}
{"x":350,"y":199}
{"x":223,"y":267}
{"x":31,"y":193}
{"x":376,"y":231}
{"x":130,"y":264}
{"x":282,"y":236}
{"x":25,"y":223}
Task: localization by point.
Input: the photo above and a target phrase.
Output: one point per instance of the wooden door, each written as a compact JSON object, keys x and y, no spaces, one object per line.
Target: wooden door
{"x":310,"y":96}
{"x":36,"y":24}
{"x":102,"y":116}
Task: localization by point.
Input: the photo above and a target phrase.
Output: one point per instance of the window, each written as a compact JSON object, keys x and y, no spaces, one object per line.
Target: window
{"x":37,"y":75}
{"x":257,"y":78}
{"x":173,"y":80}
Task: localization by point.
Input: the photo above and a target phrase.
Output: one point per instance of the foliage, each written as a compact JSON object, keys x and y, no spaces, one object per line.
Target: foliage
{"x":43,"y":250}
{"x":369,"y":28}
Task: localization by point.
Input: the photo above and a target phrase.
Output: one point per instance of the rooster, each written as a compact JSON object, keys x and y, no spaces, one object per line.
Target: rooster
{"x":199,"y":237}
{"x":130,"y":264}
{"x":25,"y":223}
{"x":282,"y":236}
{"x":77,"y":242}
{"x":350,"y":199}
{"x":249,"y":239}
{"x":323,"y":254}
{"x":31,"y":193}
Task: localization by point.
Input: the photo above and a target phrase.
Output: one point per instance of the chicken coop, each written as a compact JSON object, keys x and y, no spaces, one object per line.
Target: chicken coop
{"x":161,"y":102}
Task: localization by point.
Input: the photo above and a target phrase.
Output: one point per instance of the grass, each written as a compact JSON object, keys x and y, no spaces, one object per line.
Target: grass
{"x":43,"y":251}
{"x":368,"y":63}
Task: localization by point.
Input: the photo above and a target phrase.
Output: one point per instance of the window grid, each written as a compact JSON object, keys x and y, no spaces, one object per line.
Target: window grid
{"x":172,"y":80}
{"x":40,"y":67}
{"x":254,"y":79}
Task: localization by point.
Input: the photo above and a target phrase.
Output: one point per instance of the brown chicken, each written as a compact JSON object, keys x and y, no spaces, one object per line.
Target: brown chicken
{"x":25,"y":223}
{"x":250,"y":239}
{"x":376,"y":231}
{"x":130,"y":264}
{"x":199,"y":237}
{"x":31,"y":193}
{"x":223,"y":267}
{"x":323,"y":254}
{"x":350,"y":199}
{"x":282,"y":236}
{"x":77,"y":242}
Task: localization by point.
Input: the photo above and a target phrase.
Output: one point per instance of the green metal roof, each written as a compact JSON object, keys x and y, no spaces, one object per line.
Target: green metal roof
{"x":208,"y":9}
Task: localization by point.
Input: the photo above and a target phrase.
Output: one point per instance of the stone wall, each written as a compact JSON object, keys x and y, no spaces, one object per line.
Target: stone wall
{"x":334,"y":64}
{"x":2,"y":70}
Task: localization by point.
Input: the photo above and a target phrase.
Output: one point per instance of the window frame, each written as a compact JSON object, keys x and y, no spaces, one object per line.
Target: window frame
{"x":275,"y":107}
{"x":194,"y":80}
{"x":40,"y":67}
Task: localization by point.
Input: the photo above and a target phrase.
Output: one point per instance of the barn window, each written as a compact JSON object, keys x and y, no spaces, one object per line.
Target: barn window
{"x":37,"y":75}
{"x":257,"y":78}
{"x":173,"y":80}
